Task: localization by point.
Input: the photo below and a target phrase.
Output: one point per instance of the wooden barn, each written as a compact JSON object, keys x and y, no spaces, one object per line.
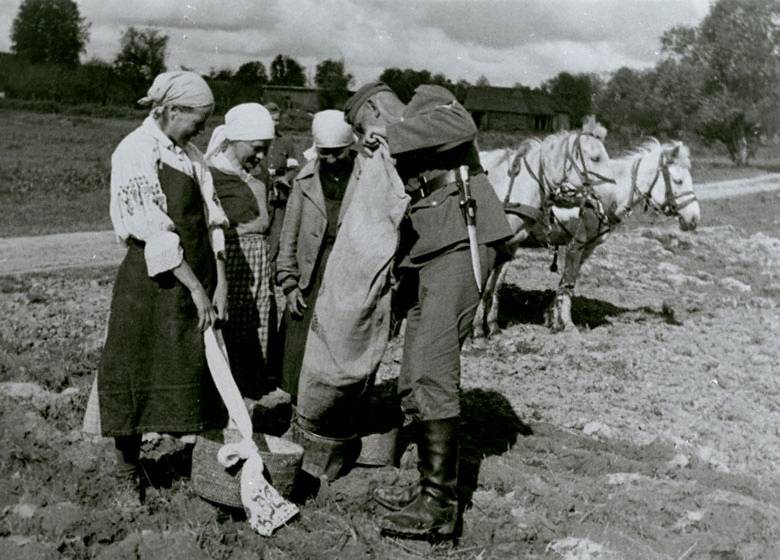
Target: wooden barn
{"x":514,"y":109}
{"x":306,"y":99}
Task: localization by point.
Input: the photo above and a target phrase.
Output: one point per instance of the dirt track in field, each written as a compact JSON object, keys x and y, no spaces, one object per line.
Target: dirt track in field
{"x":19,"y":255}
{"x":652,"y":434}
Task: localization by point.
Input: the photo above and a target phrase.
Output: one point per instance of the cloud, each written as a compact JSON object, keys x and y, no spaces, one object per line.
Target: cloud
{"x":507,"y":41}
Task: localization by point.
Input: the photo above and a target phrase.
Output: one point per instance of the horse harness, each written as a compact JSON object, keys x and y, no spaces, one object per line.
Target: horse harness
{"x":671,"y":205}
{"x":582,"y":196}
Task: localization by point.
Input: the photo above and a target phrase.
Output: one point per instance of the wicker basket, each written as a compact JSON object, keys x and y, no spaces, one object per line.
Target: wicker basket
{"x":212,"y":481}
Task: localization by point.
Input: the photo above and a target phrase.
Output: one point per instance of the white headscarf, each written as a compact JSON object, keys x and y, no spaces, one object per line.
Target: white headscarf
{"x":247,"y":121}
{"x":330,"y":130}
{"x":183,"y":88}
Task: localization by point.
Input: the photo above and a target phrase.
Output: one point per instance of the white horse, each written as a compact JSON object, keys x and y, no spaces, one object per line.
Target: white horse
{"x":563,"y":165}
{"x":654,"y":175}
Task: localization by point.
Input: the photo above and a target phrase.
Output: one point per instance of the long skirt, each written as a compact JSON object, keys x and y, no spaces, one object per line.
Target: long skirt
{"x":250,"y":331}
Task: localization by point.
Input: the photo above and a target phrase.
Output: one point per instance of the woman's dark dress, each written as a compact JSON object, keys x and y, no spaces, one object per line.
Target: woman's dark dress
{"x":153,"y":375}
{"x":296,"y":329}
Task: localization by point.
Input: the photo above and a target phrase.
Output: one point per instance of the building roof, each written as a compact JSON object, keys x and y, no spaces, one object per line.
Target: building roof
{"x":510,"y":100}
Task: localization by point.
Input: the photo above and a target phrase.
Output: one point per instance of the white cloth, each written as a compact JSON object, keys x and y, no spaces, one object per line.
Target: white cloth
{"x":247,"y":121}
{"x":178,"y":87}
{"x":266,"y":509}
{"x":331,"y":130}
{"x":138,"y":204}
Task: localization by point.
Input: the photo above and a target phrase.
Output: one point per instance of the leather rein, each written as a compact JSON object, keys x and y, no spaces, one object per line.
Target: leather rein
{"x":671,"y":205}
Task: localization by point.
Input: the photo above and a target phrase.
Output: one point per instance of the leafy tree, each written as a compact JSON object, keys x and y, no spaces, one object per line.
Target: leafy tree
{"x":737,"y":51}
{"x":221,"y":74}
{"x":252,"y":73}
{"x":141,"y":57}
{"x":49,"y":31}
{"x":285,"y":71}
{"x":482,"y":81}
{"x":333,"y":82}
{"x":404,"y":81}
{"x":572,"y":92}
{"x":622,"y":103}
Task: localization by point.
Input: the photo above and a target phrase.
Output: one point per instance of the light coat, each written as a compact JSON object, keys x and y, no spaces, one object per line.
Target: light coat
{"x":303,"y":230}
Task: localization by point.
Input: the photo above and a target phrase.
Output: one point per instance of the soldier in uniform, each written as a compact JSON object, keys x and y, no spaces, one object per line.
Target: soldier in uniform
{"x":430,"y":139}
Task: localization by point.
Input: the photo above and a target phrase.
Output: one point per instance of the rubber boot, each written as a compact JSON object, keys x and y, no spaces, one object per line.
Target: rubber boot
{"x":433,"y":512}
{"x":325,"y":457}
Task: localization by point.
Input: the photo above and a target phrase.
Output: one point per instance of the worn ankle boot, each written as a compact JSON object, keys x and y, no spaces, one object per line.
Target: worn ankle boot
{"x":128,"y":492}
{"x":433,"y":511}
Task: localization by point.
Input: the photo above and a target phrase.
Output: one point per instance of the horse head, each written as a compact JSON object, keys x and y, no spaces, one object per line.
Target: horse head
{"x":578,"y":158}
{"x":674,"y":195}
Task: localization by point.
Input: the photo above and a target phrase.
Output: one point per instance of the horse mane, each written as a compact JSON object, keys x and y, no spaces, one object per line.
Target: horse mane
{"x":653,"y":146}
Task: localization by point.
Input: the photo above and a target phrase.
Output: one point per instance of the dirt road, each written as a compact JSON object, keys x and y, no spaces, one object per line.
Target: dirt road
{"x":42,"y":253}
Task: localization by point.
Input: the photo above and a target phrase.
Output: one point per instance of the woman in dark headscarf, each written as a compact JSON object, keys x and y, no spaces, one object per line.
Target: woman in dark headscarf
{"x":171,"y":285}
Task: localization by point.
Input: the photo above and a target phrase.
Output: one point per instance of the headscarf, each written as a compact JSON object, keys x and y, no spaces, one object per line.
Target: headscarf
{"x":247,"y":121}
{"x":354,"y":103}
{"x":182,"y":88}
{"x":330,"y":130}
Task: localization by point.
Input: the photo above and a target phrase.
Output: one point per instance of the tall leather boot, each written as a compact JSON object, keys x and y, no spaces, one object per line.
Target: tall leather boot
{"x":433,"y":512}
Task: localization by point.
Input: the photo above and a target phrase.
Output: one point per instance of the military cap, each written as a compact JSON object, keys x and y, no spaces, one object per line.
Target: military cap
{"x":354,"y":103}
{"x":426,"y":98}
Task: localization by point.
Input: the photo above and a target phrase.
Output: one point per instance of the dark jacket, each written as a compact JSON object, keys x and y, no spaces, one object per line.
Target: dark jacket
{"x":437,"y":134}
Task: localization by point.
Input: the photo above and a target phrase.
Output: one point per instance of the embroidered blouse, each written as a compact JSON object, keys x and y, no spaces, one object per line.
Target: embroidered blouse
{"x":138,"y":204}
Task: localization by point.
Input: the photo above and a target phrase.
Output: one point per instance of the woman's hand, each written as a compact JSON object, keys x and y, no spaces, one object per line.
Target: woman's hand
{"x":206,"y":312}
{"x":295,"y":302}
{"x":221,"y":300}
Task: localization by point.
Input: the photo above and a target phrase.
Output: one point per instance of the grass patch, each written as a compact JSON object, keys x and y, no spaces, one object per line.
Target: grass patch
{"x":55,"y":170}
{"x":55,"y":167}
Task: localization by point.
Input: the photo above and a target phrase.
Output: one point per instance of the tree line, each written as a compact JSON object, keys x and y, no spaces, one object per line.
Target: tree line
{"x":719,"y":80}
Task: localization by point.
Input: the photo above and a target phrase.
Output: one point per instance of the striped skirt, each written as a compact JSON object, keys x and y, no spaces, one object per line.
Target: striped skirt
{"x":250,"y":331}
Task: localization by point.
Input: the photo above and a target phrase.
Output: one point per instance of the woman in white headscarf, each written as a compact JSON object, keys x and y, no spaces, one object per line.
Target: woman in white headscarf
{"x":153,"y":375}
{"x":236,"y":148}
{"x":309,"y":232}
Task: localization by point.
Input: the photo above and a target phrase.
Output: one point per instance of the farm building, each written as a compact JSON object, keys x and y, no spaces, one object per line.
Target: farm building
{"x":501,"y":108}
{"x":304,"y":98}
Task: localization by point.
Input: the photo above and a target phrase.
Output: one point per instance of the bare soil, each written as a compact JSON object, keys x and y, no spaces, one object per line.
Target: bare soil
{"x":652,"y":434}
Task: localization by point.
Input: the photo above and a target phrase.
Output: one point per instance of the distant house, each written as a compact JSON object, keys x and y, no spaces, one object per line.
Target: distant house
{"x":514,"y":109}
{"x":303,"y":98}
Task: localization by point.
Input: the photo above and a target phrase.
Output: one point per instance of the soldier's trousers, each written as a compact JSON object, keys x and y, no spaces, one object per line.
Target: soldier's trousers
{"x":436,"y":326}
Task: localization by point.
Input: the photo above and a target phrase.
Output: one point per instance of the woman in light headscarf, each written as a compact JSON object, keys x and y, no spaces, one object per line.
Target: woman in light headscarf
{"x":171,"y":285}
{"x":309,"y":232}
{"x":235,"y":150}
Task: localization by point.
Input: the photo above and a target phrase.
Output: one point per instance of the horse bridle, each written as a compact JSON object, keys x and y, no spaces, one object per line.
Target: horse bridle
{"x":671,"y":205}
{"x":569,"y":163}
{"x":584,"y":174}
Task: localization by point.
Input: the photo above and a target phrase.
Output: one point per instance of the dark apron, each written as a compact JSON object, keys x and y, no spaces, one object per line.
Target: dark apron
{"x":153,"y":375}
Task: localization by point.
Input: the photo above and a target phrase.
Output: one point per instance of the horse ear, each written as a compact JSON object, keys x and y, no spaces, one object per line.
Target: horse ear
{"x":672,"y":152}
{"x":594,"y":128}
{"x":589,"y":124}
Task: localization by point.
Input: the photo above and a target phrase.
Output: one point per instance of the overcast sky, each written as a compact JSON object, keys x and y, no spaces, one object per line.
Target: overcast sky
{"x":508,"y":41}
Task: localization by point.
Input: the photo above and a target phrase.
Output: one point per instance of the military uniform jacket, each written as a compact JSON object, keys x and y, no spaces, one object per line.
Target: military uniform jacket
{"x":437,"y":134}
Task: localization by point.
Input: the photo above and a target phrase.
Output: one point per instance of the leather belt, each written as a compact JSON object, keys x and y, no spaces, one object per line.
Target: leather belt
{"x":429,"y":186}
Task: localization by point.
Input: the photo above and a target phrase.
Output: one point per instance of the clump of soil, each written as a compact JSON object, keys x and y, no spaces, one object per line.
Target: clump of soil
{"x":650,"y":434}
